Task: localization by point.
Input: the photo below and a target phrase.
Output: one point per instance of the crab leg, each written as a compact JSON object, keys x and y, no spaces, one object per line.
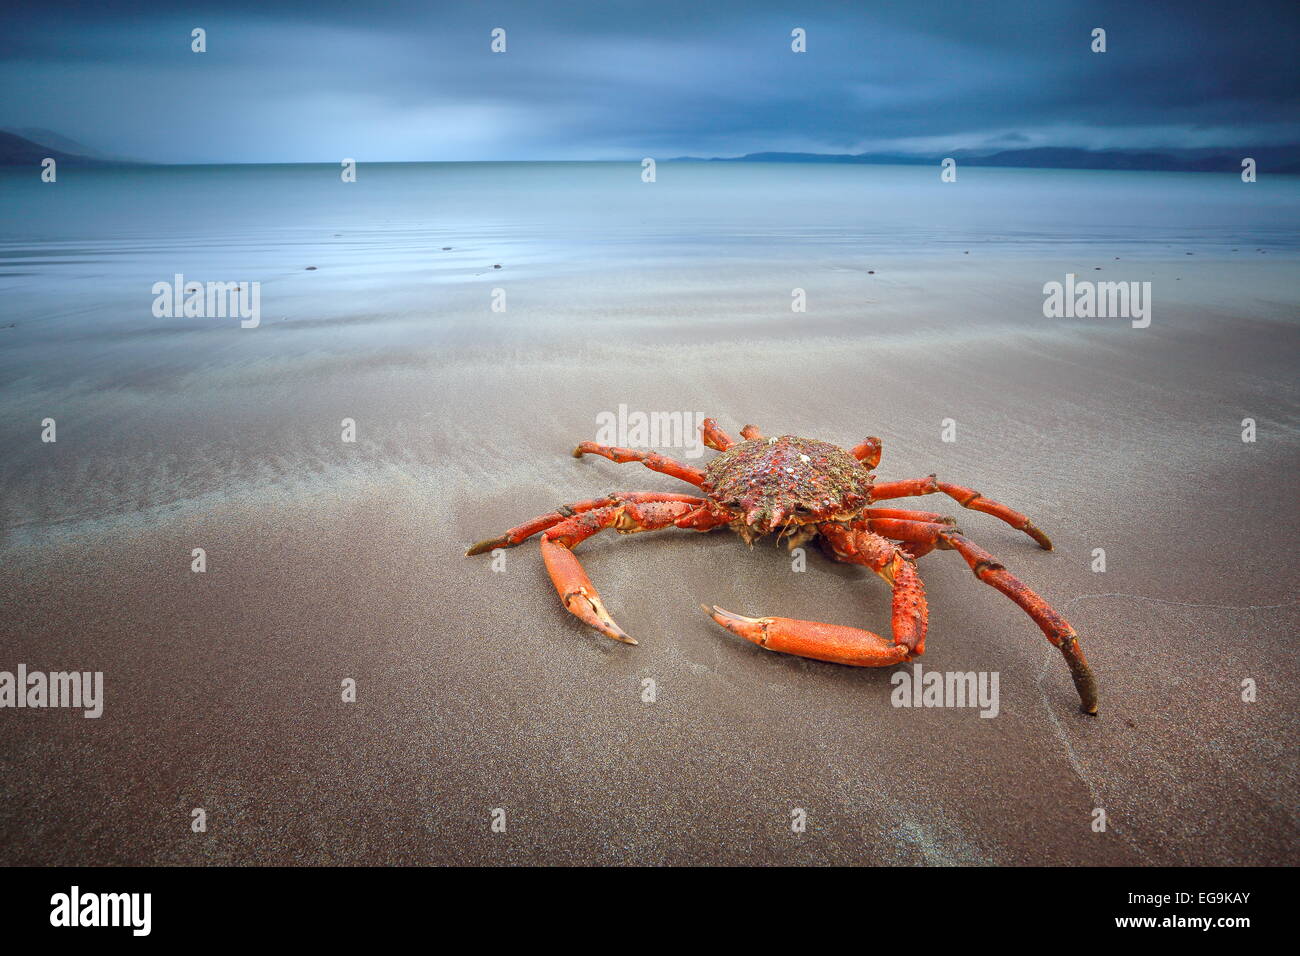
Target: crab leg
{"x":750,"y":432}
{"x":1056,"y":628}
{"x":577,"y":593}
{"x":526,"y":530}
{"x":714,"y":436}
{"x":920,"y":536}
{"x":929,"y":517}
{"x":966,"y":497}
{"x":837,"y":643}
{"x":651,"y":459}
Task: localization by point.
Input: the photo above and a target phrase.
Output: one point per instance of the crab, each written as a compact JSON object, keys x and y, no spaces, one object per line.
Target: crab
{"x":798,"y":489}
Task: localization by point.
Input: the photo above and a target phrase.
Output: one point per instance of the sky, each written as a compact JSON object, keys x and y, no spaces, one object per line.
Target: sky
{"x":407,"y":81}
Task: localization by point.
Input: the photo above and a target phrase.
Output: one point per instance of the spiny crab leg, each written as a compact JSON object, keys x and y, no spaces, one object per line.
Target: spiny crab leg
{"x":577,"y":593}
{"x":835,"y":642}
{"x":909,"y":514}
{"x":651,"y":459}
{"x":523,"y":532}
{"x":966,"y":497}
{"x":1056,"y":628}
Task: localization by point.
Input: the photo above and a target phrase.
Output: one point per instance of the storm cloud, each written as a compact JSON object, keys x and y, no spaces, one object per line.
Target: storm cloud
{"x":284,"y":82}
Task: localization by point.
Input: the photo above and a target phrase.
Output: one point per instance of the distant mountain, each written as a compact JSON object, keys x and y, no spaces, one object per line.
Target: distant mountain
{"x":18,"y":150}
{"x":1270,"y":159}
{"x":48,"y":137}
{"x":29,"y":145}
{"x":1275,"y":159}
{"x":863,"y":158}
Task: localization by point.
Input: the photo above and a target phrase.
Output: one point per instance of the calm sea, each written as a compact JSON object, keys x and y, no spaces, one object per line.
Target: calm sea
{"x":96,"y":233}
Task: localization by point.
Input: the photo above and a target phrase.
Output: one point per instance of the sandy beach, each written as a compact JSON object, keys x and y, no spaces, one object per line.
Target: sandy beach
{"x":475,"y":691}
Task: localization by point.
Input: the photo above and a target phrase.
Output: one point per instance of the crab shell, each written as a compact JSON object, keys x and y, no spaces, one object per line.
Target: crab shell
{"x":787,"y":484}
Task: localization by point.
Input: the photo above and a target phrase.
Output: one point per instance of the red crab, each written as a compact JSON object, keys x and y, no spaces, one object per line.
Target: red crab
{"x":801,"y":489}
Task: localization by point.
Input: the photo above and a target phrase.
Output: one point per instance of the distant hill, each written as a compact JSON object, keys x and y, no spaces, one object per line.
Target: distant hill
{"x":29,"y":145}
{"x":1270,"y":159}
{"x":47,"y":137}
{"x":18,"y":150}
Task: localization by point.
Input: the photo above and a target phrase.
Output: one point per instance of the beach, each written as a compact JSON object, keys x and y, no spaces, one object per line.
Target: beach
{"x":329,"y":560}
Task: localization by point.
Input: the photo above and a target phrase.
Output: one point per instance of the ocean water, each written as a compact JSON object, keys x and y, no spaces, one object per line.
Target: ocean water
{"x":92,"y":241}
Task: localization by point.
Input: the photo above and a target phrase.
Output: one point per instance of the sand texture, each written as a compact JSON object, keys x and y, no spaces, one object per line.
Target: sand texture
{"x":476,"y":691}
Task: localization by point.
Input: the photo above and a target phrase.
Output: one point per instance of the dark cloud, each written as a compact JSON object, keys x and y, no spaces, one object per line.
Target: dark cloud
{"x":288,"y":82}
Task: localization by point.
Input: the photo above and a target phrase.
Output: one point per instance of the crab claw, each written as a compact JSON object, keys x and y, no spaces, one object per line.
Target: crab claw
{"x":750,"y":628}
{"x":821,"y":642}
{"x":587,"y":605}
{"x":577,"y":592}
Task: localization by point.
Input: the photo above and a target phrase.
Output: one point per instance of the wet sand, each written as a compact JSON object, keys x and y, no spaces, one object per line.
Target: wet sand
{"x":476,"y":691}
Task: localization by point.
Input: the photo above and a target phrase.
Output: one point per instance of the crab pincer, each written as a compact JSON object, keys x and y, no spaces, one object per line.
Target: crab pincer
{"x":834,"y":643}
{"x":577,"y":593}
